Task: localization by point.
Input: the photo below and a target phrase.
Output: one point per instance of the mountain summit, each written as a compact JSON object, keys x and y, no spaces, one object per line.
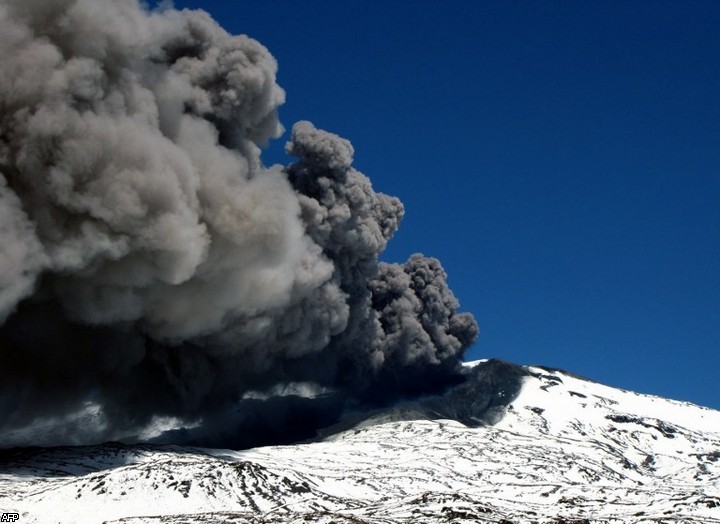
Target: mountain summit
{"x":511,"y":444}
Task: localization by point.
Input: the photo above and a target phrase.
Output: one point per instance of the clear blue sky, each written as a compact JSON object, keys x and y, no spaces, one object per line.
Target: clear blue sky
{"x":561,"y":158}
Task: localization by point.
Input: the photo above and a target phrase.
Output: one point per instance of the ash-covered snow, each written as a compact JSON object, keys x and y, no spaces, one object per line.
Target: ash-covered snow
{"x":512,"y":444}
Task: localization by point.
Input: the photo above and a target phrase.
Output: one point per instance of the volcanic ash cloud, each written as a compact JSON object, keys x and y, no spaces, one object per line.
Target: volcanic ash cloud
{"x":151,"y":266}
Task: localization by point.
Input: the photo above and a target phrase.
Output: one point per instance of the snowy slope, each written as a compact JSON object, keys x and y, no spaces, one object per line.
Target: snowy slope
{"x":512,"y":444}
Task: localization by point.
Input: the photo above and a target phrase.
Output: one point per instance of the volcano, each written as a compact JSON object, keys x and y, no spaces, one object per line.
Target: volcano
{"x":510,"y":444}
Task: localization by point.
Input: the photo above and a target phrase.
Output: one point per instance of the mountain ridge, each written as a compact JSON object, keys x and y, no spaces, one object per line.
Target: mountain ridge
{"x":556,"y":449}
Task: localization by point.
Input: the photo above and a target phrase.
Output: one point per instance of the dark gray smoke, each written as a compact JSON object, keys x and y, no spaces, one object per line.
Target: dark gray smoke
{"x":154,"y":274}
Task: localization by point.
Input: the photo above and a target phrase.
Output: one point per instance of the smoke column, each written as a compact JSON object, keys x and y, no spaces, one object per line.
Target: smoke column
{"x":153,"y":269}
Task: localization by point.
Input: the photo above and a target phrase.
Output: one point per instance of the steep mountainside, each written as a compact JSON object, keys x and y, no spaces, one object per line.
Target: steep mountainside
{"x":511,"y":444}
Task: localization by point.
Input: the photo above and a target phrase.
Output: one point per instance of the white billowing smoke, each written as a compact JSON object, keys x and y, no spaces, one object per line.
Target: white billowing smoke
{"x":151,"y":264}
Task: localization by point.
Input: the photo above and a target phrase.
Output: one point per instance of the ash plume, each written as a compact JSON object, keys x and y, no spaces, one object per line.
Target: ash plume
{"x":153,"y":269}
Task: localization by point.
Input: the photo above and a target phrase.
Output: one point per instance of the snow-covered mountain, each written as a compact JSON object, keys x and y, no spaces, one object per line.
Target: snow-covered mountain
{"x":512,"y":444}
